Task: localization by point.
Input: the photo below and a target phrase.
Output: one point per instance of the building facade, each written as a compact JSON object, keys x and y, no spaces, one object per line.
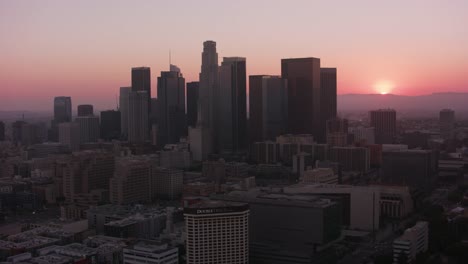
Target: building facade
{"x":89,"y":128}
{"x":124,"y":108}
{"x":192,"y":103}
{"x":217,"y":233}
{"x":171,"y":103}
{"x":231,"y":110}
{"x":110,"y":125}
{"x":85,"y":110}
{"x":303,"y":77}
{"x":138,"y":131}
{"x":268,"y":106}
{"x":447,"y":123}
{"x":384,"y":122}
{"x":69,"y":135}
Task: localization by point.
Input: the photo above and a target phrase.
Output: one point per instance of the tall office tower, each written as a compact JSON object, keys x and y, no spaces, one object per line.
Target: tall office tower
{"x":85,"y":110}
{"x":141,"y":81}
{"x":337,"y":132}
{"x":123,"y":107}
{"x":154,"y":111}
{"x":2,"y":131}
{"x":69,"y":135}
{"x":231,"y":110}
{"x":303,"y":76}
{"x":62,"y":113}
{"x":110,"y":125}
{"x":202,"y":137}
{"x":328,"y":93}
{"x":268,"y":100}
{"x":171,"y":103}
{"x":138,"y":117}
{"x":62,"y":109}
{"x":167,"y":183}
{"x":89,"y":128}
{"x":192,"y":103}
{"x":85,"y":171}
{"x":131,"y":182}
{"x":447,"y":123}
{"x":217,"y":232}
{"x":17,"y":131}
{"x":384,"y":122}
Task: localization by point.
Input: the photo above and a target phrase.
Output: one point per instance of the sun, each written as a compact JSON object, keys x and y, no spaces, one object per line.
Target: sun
{"x":383,"y":87}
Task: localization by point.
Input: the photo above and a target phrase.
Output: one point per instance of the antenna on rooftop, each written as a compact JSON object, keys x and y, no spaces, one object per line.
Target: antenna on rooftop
{"x":170,"y":58}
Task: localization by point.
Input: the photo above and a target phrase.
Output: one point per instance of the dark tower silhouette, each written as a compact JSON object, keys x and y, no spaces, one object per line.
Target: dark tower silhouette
{"x":328,"y":93}
{"x":384,"y":122}
{"x":231,"y":114}
{"x":268,"y":100}
{"x":192,"y":103}
{"x":2,"y":131}
{"x":85,"y":110}
{"x":62,"y":114}
{"x":110,"y":124}
{"x":171,"y":102}
{"x":303,"y":76}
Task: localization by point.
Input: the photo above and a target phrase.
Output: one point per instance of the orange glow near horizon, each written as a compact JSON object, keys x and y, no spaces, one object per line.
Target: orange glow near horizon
{"x":50,"y":50}
{"x":384,"y":87}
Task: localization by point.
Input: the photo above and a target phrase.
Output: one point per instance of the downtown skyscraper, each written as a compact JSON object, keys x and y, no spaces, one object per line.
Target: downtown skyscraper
{"x":231,"y":110}
{"x":123,"y":107}
{"x":62,"y":114}
{"x":192,"y":103}
{"x":384,"y":122}
{"x":141,"y":80}
{"x":447,"y":123}
{"x":268,"y":100}
{"x":138,"y":131}
{"x":328,"y":94}
{"x":304,"y":111}
{"x":202,"y":137}
{"x":85,"y":110}
{"x":171,"y":103}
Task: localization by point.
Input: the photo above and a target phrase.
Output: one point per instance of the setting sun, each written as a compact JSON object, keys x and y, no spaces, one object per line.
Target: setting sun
{"x":383,"y":87}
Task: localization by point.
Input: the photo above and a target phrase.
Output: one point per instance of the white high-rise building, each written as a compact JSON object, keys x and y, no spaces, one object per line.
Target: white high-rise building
{"x":217,"y":233}
{"x":138,"y":130}
{"x":412,"y":242}
{"x":202,"y":137}
{"x":123,"y":107}
{"x":69,"y":135}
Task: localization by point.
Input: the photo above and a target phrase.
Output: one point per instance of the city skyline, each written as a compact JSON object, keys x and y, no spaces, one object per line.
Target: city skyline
{"x":399,"y":47}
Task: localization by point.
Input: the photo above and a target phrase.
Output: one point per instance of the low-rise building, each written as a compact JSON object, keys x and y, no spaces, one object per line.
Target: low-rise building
{"x":147,"y":251}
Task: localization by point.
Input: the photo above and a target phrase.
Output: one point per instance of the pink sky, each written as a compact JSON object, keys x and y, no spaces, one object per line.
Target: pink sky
{"x":85,"y":49}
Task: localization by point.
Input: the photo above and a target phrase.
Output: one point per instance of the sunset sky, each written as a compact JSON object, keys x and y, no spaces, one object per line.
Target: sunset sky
{"x":85,"y":49}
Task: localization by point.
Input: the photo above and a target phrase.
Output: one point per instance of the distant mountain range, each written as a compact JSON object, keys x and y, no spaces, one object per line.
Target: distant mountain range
{"x":421,"y":103}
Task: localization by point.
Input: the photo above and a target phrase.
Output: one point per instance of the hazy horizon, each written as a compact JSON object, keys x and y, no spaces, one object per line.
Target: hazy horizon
{"x":56,"y":48}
